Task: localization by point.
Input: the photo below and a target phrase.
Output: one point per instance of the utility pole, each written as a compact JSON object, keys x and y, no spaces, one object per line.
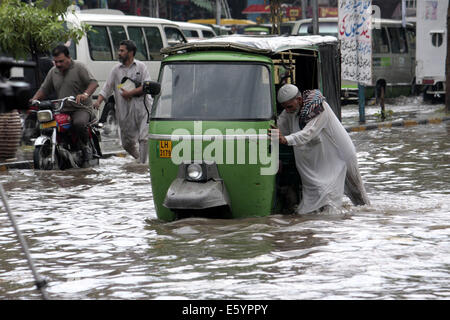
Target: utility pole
{"x":315,"y":7}
{"x":304,"y":8}
{"x":153,"y":8}
{"x":447,"y":65}
{"x":218,"y":11}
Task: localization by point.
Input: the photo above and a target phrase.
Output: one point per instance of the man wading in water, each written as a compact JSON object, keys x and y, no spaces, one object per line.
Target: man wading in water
{"x":131,"y":109}
{"x":324,"y":152}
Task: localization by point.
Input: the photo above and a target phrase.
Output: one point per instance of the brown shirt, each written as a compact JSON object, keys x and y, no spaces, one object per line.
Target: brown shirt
{"x":72,"y":82}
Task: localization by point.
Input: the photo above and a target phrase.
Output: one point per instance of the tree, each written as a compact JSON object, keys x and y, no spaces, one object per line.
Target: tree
{"x":30,"y":29}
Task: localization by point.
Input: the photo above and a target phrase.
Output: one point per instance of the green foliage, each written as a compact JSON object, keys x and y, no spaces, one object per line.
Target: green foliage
{"x":59,"y":7}
{"x":26,"y":29}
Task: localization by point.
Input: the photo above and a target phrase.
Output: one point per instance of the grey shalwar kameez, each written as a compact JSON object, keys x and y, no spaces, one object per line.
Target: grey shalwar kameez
{"x":72,"y":82}
{"x":131,"y":114}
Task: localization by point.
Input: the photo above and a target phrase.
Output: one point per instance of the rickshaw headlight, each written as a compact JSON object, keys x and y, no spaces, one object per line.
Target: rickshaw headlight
{"x":194,"y":172}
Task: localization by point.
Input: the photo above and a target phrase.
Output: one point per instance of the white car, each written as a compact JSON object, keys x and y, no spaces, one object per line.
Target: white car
{"x":195,"y":31}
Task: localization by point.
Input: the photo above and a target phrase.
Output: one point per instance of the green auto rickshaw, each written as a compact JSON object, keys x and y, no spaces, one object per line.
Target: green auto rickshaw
{"x":209,"y":151}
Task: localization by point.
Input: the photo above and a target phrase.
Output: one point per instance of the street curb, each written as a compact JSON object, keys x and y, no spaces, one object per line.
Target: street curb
{"x":399,"y":123}
{"x":28,"y":164}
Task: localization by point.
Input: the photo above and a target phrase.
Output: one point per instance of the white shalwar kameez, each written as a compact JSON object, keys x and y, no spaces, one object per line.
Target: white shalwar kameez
{"x":131,"y":114}
{"x":324,"y":156}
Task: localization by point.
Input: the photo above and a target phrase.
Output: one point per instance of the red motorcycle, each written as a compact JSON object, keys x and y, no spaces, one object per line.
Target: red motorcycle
{"x":57,"y":147}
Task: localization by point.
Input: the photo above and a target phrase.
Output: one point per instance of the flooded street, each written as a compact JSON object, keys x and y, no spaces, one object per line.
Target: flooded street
{"x":93,"y":233}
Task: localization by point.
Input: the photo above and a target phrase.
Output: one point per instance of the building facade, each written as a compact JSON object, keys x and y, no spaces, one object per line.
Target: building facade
{"x":183,"y":10}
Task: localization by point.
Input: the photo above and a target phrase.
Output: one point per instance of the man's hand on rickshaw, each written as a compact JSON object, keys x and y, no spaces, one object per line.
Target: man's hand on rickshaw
{"x":276,"y":133}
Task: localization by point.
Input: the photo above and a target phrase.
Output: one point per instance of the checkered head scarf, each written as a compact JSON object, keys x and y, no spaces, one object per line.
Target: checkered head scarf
{"x":312,"y":106}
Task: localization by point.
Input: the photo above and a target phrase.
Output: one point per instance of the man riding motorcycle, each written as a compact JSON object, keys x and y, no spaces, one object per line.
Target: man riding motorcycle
{"x":71,"y":78}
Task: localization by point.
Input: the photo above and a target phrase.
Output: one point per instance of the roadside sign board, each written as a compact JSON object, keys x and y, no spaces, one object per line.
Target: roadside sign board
{"x":355,"y":35}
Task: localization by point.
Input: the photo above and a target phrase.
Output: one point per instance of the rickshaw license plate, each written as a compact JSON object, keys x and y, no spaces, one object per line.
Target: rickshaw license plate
{"x":165,"y":149}
{"x":50,"y":124}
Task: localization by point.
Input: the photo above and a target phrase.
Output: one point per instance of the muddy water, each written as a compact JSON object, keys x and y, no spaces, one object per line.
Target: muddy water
{"x":93,"y":233}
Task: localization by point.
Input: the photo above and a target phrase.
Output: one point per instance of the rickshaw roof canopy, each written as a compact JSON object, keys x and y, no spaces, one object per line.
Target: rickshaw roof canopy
{"x":266,"y":45}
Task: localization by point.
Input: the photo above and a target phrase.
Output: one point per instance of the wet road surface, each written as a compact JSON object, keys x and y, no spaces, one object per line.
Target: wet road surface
{"x":93,"y":233}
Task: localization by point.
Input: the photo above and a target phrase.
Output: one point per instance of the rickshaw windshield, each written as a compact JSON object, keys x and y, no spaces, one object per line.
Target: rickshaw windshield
{"x":214,"y":91}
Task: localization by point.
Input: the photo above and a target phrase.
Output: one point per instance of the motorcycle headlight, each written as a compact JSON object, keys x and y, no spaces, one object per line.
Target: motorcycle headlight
{"x":194,"y":172}
{"x":45,"y":116}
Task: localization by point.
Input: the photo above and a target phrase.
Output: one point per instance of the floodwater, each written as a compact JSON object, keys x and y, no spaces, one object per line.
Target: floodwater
{"x":94,"y":234}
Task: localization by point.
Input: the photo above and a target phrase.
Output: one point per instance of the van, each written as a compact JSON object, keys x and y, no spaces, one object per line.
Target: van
{"x":234,"y":25}
{"x":286,"y":27}
{"x":195,"y":31}
{"x":98,"y":49}
{"x":220,"y":30}
{"x":432,"y":50}
{"x":393,"y":57}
